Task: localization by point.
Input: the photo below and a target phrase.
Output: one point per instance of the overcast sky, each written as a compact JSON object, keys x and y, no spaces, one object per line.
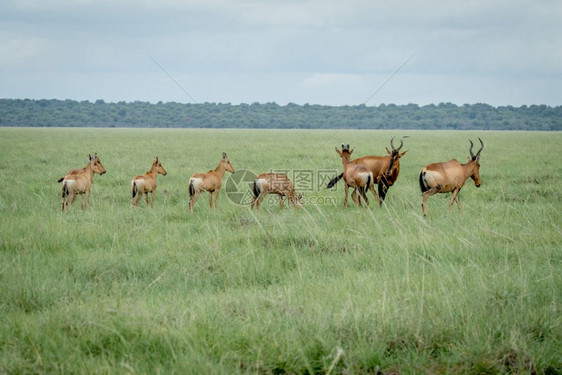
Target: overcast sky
{"x":505,"y":52}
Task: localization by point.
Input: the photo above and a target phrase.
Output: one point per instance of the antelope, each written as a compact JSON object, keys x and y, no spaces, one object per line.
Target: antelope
{"x":388,"y":178}
{"x":385,"y":169}
{"x":355,"y":176}
{"x":146,"y":183}
{"x":210,"y":182}
{"x":449,"y":177}
{"x":275,"y":183}
{"x":79,"y":181}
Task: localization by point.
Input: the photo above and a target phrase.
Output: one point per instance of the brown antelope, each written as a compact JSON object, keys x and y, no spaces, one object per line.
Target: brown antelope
{"x":355,"y":176}
{"x":449,"y":177}
{"x":385,"y":169}
{"x":275,"y":183}
{"x":388,"y":178}
{"x":146,"y":183}
{"x":210,"y":182}
{"x":79,"y":181}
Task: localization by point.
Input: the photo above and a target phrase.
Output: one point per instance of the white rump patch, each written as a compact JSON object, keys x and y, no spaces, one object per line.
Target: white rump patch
{"x":366,"y":175}
{"x":431,"y":177}
{"x":195,"y":182}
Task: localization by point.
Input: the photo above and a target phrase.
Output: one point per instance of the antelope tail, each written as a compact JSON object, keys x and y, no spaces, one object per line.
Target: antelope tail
{"x":257,"y":189}
{"x":334,"y":181}
{"x":60,"y":179}
{"x":363,"y":189}
{"x":65,"y":191}
{"x":135,"y":189}
{"x":383,"y":189}
{"x":191,"y":189}
{"x":423,"y":186}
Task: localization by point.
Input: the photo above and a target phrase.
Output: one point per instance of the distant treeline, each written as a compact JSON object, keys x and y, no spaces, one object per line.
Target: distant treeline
{"x":71,"y":113}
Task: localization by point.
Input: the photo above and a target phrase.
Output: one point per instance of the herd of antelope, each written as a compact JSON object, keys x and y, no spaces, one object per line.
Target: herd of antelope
{"x":361,"y":174}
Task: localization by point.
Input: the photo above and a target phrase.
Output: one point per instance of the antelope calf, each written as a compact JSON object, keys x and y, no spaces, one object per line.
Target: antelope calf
{"x":210,"y":182}
{"x":146,"y":183}
{"x":275,"y":183}
{"x":385,"y":169}
{"x":79,"y":181}
{"x":355,"y":176}
{"x":449,"y":177}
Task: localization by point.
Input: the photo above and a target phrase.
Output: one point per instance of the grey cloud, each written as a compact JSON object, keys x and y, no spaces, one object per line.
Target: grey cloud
{"x":323,"y":52}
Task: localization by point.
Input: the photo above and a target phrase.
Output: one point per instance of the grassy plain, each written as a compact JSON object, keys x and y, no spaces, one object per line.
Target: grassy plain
{"x":118,"y":289}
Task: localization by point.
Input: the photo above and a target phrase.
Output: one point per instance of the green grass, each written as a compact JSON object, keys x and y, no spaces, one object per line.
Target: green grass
{"x":118,"y":289}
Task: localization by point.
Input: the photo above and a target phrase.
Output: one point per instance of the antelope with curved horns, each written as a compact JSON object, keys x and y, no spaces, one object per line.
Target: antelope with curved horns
{"x":146,"y":183}
{"x":275,"y":183}
{"x":355,"y":176}
{"x":449,"y":177}
{"x":388,"y":178}
{"x":385,"y":169}
{"x":210,"y":182}
{"x":79,"y":181}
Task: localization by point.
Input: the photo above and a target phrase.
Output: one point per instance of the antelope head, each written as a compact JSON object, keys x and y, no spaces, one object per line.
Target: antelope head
{"x":296,"y":199}
{"x":226,"y":163}
{"x":395,"y":153}
{"x":394,"y":166}
{"x":300,"y":199}
{"x":96,"y":164}
{"x":345,"y":153}
{"x":159,"y":168}
{"x":475,"y":160}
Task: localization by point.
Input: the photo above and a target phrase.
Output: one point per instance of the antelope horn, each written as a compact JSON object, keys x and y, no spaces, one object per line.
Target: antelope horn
{"x":481,"y":148}
{"x":401,"y":143}
{"x":392,"y":143}
{"x":470,"y":150}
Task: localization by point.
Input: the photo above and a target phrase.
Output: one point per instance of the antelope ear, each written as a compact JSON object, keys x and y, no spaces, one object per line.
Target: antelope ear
{"x":388,"y":151}
{"x":351,"y":152}
{"x":224,"y":156}
{"x":404,"y":153}
{"x":338,"y":151}
{"x":90,"y":157}
{"x":96,"y":155}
